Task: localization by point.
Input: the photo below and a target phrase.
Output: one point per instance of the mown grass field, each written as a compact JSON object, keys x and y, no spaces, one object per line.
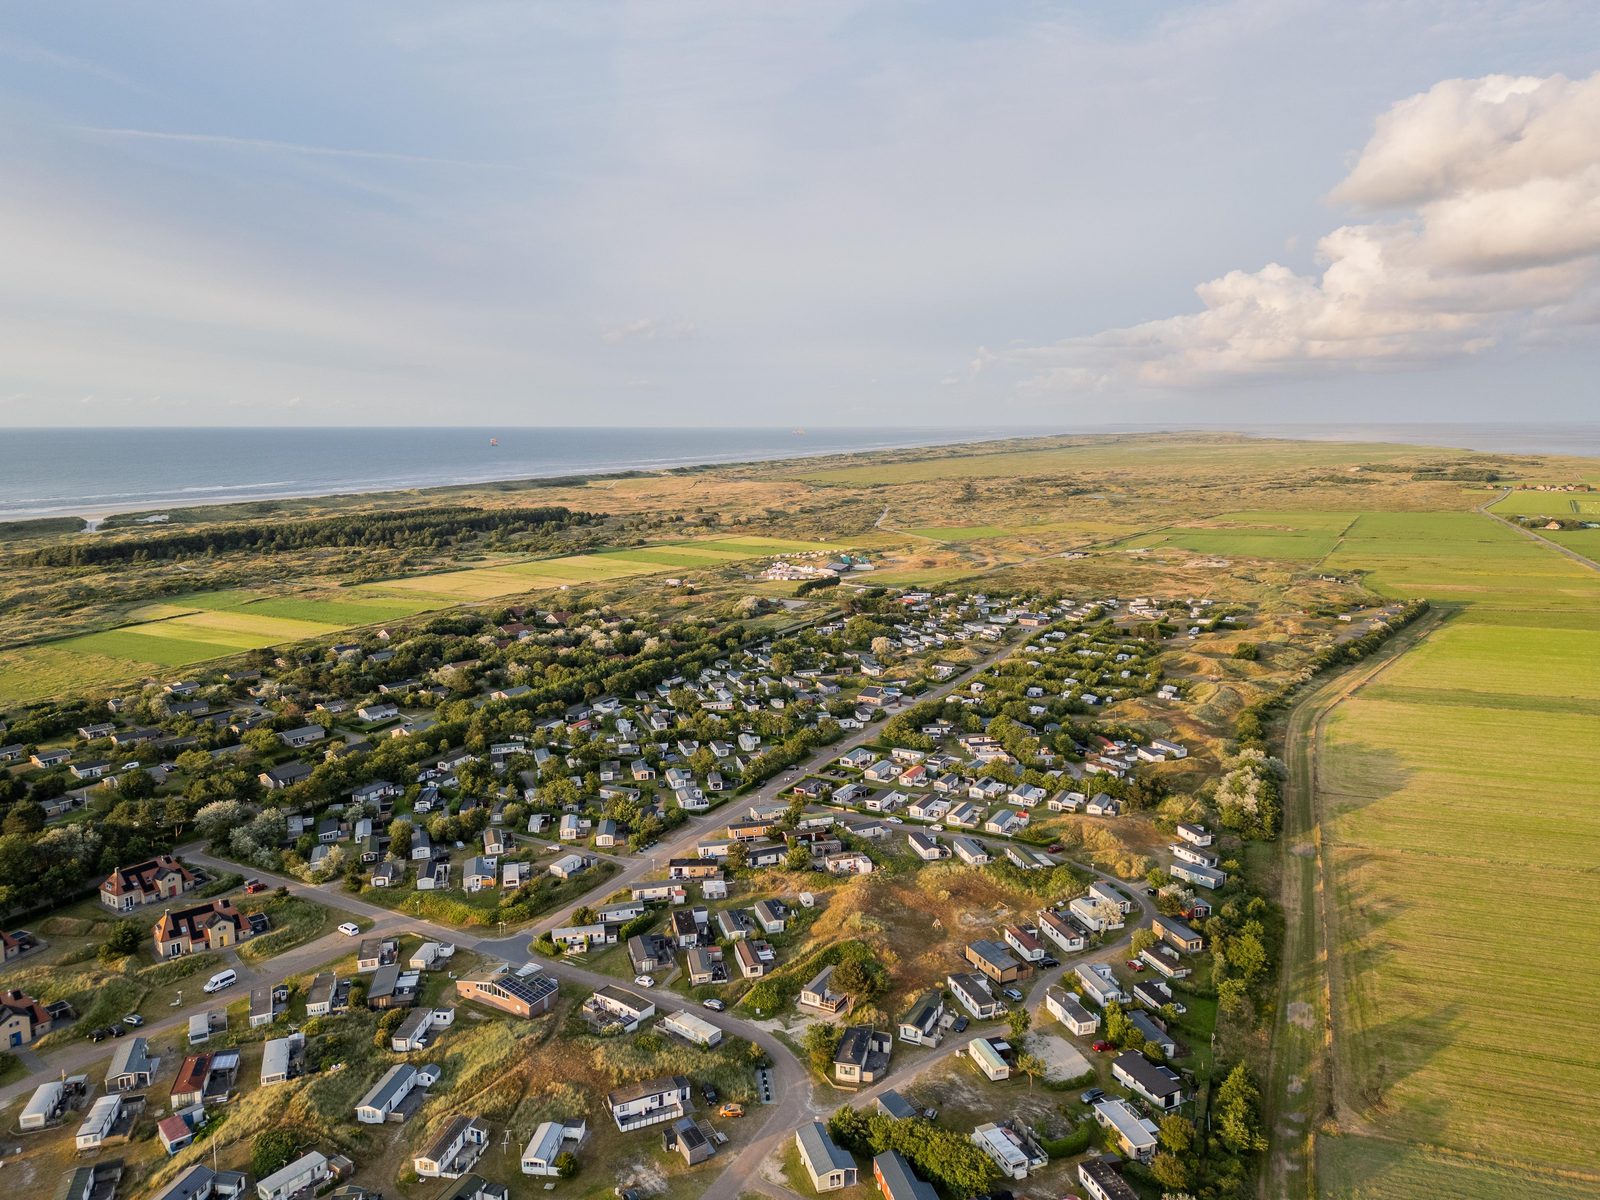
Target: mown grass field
{"x":1298,"y":537}
{"x":1462,"y":835}
{"x":1549,"y":504}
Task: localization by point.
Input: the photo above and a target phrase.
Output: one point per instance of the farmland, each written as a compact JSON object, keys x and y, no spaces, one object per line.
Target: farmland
{"x":1436,"y":813}
{"x":1299,"y":537}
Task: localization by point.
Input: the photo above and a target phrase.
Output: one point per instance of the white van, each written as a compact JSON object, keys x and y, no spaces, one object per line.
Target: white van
{"x":222,"y":979}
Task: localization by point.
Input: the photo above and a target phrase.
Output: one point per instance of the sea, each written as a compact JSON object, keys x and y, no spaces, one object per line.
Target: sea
{"x":96,"y":472}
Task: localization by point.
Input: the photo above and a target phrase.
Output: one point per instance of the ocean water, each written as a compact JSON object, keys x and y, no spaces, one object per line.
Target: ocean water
{"x":92,"y":472}
{"x":87,"y":472}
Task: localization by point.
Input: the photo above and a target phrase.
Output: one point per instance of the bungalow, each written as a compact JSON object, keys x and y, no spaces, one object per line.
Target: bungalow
{"x":1006,"y":823}
{"x":1064,"y":1007}
{"x":1100,"y":983}
{"x":1154,"y":1033}
{"x":569,"y":866}
{"x":1165,"y":960}
{"x":372,"y":953}
{"x":390,"y":988}
{"x":1064,"y":932}
{"x":1095,"y":915}
{"x":214,"y":925}
{"x":735,"y":924}
{"x":305,"y":735}
{"x":1104,"y":892}
{"x":964,"y":815}
{"x":521,"y":995}
{"x":858,"y":759}
{"x":755,"y":957}
{"x":382,"y":711}
{"x":818,"y":997}
{"x":970,"y":851}
{"x":550,"y":1141}
{"x":1024,"y":942}
{"x":1016,"y":1156}
{"x":829,"y":1167}
{"x":1177,"y":934}
{"x":98,"y":1126}
{"x":304,"y":1175}
{"x":975,"y":995}
{"x":1206,"y":877}
{"x":896,"y":1181}
{"x":650,"y":1103}
{"x":705,"y":966}
{"x":1102,"y":805}
{"x":994,"y":959}
{"x":284,"y":775}
{"x":382,"y":1101}
{"x":613,"y":1005}
{"x":49,"y":758}
{"x":1195,"y":835}
{"x":862,"y":1055}
{"x":771,"y":915}
{"x":924,"y":1024}
{"x":927,"y":847}
{"x":479,"y":873}
{"x":986,"y":1054}
{"x":414,"y":1032}
{"x":650,"y":952}
{"x":691,"y":1027}
{"x":132,"y":1068}
{"x":282,"y":1059}
{"x":1136,"y":1136}
{"x":453,"y":1152}
{"x":1160,"y":1085}
{"x":1101,"y":1181}
{"x":150,"y":882}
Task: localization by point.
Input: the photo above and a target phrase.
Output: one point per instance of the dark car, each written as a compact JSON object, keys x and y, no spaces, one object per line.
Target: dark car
{"x":1092,"y":1095}
{"x":99,"y":1035}
{"x":961,"y":1025}
{"x":627,"y":1194}
{"x":708,"y":1093}
{"x":1049,"y":963}
{"x":1150,"y":891}
{"x":118,"y":1030}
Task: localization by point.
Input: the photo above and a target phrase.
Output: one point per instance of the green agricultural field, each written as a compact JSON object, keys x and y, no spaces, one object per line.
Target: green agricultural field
{"x":340,"y":612}
{"x":143,"y":650}
{"x":32,"y":672}
{"x":1548,"y":504}
{"x":1362,"y":1168}
{"x":1300,"y":537}
{"x":1459,"y":782}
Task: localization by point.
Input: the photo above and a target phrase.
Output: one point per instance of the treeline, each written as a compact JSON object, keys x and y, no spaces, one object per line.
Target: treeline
{"x":425,"y":528}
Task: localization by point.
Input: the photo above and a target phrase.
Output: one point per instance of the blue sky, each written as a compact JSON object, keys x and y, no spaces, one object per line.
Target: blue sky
{"x":824,"y":213}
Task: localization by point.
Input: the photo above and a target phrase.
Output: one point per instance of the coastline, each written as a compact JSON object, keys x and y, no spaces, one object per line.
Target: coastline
{"x":1575,"y":439}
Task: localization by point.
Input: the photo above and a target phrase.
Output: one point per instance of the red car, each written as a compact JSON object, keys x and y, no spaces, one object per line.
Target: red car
{"x":1055,"y":848}
{"x":1135,"y":965}
{"x":254,"y":886}
{"x":1102,"y":1047}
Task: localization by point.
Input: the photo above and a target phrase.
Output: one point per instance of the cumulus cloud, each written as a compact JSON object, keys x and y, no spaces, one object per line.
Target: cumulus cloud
{"x":1485,"y":199}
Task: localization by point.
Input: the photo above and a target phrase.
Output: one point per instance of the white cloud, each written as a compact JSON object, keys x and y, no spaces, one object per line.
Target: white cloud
{"x":1488,"y":192}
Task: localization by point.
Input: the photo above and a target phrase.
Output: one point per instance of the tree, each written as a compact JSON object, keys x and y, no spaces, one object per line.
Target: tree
{"x":566,"y":1164}
{"x":1030,"y":1065}
{"x":1019,"y":1019}
{"x":821,"y":1041}
{"x":24,"y":817}
{"x":1143,"y":939}
{"x":881,"y":647}
{"x":853,"y":977}
{"x":738,"y":857}
{"x":271,"y":1151}
{"x":1177,"y":1133}
{"x":1169,"y":1171}
{"x":123,"y":940}
{"x":584,"y":914}
{"x":1237,"y":1109}
{"x":798,"y":858}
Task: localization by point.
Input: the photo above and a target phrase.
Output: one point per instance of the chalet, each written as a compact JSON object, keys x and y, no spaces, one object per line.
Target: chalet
{"x":301,"y":1177}
{"x":454,"y":1151}
{"x":771,"y":915}
{"x":550,"y":1140}
{"x":49,"y":758}
{"x":862,"y":1055}
{"x":132,"y":1068}
{"x":970,"y":851}
{"x":1135,"y":1136}
{"x":615,"y":1006}
{"x":1063,"y":931}
{"x":1177,"y":934}
{"x":1016,"y":1154}
{"x":650,"y":1103}
{"x":372,"y":953}
{"x":895,"y":1179}
{"x":829,"y":1167}
{"x":383,"y":1101}
{"x":284,"y":775}
{"x":1206,"y":877}
{"x":994,"y":960}
{"x":975,"y":995}
{"x":1165,"y":960}
{"x":1064,"y":1007}
{"x":705,"y":966}
{"x":1024,"y":942}
{"x":415,"y":1032}
{"x":150,"y":882}
{"x":1195,"y":835}
{"x":926,"y":846}
{"x":1160,"y":1085}
{"x":691,"y":1028}
{"x":23,"y":1019}
{"x":923,"y":1025}
{"x":305,"y":735}
{"x":1100,"y":984}
{"x":650,"y":952}
{"x":818,"y":997}
{"x":479,"y":873}
{"x":986,"y":1053}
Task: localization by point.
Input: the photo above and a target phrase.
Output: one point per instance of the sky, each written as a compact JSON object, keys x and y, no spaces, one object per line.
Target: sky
{"x":686,"y":212}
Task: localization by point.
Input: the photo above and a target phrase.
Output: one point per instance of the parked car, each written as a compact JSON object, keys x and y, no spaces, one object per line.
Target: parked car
{"x":1092,"y":1095}
{"x":1150,"y":892}
{"x":252,"y":886}
{"x":1103,"y":1047}
{"x":1055,"y":848}
{"x":1135,"y":965}
{"x":100,"y":1035}
{"x":1012,"y":994}
{"x":350,"y":929}
{"x":118,"y":1029}
{"x":708,"y":1093}
{"x":960,"y":1025}
{"x":930,"y":1114}
{"x":644,"y":981}
{"x":133,"y":1020}
{"x":1049,"y":963}
{"x":731,"y":1109}
{"x":714,"y":1004}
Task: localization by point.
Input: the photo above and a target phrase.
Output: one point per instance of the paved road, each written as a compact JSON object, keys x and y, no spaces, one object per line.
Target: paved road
{"x":797,"y":1100}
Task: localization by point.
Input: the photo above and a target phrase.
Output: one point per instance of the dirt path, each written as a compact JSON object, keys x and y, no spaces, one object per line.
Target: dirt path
{"x":1303,"y":1089}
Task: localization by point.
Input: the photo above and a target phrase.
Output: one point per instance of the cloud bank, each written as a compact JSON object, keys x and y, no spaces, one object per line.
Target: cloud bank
{"x":1485,"y":199}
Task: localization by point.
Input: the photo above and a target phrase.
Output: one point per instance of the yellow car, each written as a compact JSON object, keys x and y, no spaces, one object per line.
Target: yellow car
{"x":731,"y":1110}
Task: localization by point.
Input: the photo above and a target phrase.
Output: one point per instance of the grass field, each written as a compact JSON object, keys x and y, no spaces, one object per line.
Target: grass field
{"x":1463,"y":837}
{"x":1549,"y":504}
{"x":1299,"y":537}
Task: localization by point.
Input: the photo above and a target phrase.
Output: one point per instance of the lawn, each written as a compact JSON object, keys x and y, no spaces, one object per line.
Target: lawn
{"x":1461,"y":833}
